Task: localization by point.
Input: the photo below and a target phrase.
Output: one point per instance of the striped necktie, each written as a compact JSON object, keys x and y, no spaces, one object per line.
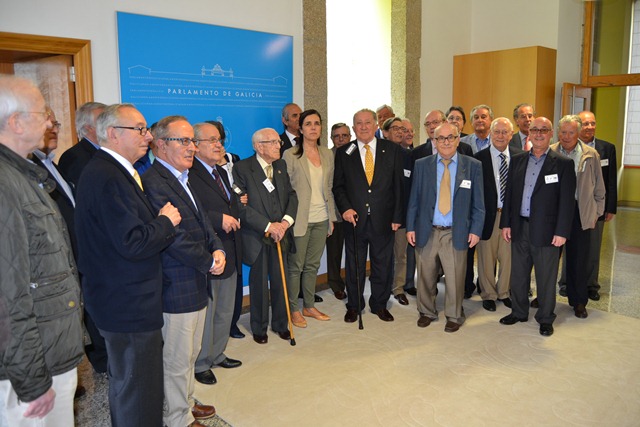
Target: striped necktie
{"x":504,"y":169}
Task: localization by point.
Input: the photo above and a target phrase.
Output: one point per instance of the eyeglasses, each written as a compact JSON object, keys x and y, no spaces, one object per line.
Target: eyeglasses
{"x":398,"y":128}
{"x":542,"y":131}
{"x":449,"y":138}
{"x":143,"y":130}
{"x":341,"y":136}
{"x":57,"y":124}
{"x":433,"y":123}
{"x":272,"y":142}
{"x":45,"y":114}
{"x":184,"y":141}
{"x":211,"y":140}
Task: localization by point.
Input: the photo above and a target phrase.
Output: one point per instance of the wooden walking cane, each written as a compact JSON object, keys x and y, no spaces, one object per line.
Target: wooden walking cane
{"x":286,"y":294}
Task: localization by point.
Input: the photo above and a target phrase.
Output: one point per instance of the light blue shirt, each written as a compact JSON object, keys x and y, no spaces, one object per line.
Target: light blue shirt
{"x":531,"y":176}
{"x":183,"y":178}
{"x":438,"y":218}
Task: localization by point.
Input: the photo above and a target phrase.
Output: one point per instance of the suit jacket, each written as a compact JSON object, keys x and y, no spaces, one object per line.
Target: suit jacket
{"x":425,"y":150}
{"x":383,"y":199}
{"x":552,"y":204}
{"x":120,"y":237}
{"x":516,"y":141}
{"x":215,"y":204}
{"x":263,"y":207}
{"x":470,"y":140}
{"x":468,"y":203}
{"x":298,"y":169}
{"x":73,"y":161}
{"x":490,"y":191}
{"x":286,"y":143}
{"x":186,"y":262}
{"x":607,"y":152}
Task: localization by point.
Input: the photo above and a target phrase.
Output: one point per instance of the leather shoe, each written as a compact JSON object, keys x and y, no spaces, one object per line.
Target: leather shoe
{"x":581,"y":311}
{"x":424,"y":321}
{"x":340,"y":295}
{"x":489,"y":305}
{"x":594,"y":295}
{"x":202,"y":412}
{"x":317,"y":298}
{"x":510,"y":319}
{"x":451,"y":326}
{"x":562,"y":290}
{"x":260,"y":339}
{"x":412,"y":291}
{"x":206,"y":377}
{"x":534,"y":303}
{"x":236,"y":333}
{"x":351,"y":316}
{"x":402,"y":299}
{"x":384,"y":314}
{"x":297,"y":320}
{"x":506,"y":302}
{"x":196,"y":424}
{"x":228,"y":363}
{"x":546,"y":329}
{"x":285,"y":335}
{"x":315,"y":313}
{"x":80,"y":391}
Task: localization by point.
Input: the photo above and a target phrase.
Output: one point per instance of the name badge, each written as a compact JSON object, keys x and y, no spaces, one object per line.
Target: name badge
{"x":465,"y":183}
{"x":550,"y":179}
{"x":268,"y":185}
{"x":350,"y":149}
{"x":604,"y":162}
{"x":407,"y":173}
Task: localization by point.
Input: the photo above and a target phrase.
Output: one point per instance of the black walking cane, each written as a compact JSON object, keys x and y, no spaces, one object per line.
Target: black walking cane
{"x":355,"y":248}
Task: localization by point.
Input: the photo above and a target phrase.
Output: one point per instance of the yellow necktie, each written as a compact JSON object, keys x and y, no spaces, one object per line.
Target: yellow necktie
{"x":444,"y":201}
{"x":368,"y":163}
{"x":269,"y":170}
{"x":136,"y":178}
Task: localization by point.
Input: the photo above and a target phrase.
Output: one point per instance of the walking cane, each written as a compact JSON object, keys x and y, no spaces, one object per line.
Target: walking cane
{"x":286,"y":294}
{"x":355,"y":248}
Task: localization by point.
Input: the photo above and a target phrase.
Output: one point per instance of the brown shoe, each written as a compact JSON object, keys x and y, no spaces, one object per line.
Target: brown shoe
{"x":315,"y":313}
{"x":340,"y":295}
{"x":402,"y":299}
{"x":351,"y":316}
{"x":581,"y":311}
{"x":196,"y":424}
{"x":451,"y":326}
{"x":298,"y":320}
{"x":384,"y":315}
{"x":202,"y":412}
{"x":424,"y":321}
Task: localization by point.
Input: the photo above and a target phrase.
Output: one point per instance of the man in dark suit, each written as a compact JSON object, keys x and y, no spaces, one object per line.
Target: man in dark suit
{"x":432,"y":120}
{"x":444,"y":219}
{"x":492,"y":248}
{"x":608,"y":161}
{"x":523,"y":114}
{"x":291,"y":121}
{"x":265,"y":220}
{"x":120,"y":237}
{"x":186,"y":264}
{"x":367,"y":188}
{"x":383,"y":113}
{"x":73,"y":161}
{"x":537,"y":215}
{"x":211,"y":185}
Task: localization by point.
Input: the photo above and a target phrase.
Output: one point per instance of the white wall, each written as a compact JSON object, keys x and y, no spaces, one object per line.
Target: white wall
{"x":96,"y":20}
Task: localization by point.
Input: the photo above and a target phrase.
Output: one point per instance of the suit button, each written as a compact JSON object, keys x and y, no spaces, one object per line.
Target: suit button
{"x":367,"y":204}
{"x":369,"y":190}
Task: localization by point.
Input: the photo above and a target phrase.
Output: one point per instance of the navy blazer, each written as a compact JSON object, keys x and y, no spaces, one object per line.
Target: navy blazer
{"x":73,"y":161}
{"x":468,"y":203}
{"x":490,"y":191}
{"x":215,"y":203}
{"x":249,"y":176}
{"x":552,"y":203}
{"x":286,"y":143}
{"x":383,"y":198}
{"x":120,"y":237}
{"x":609,"y":163}
{"x":516,"y":141}
{"x":187,"y":261}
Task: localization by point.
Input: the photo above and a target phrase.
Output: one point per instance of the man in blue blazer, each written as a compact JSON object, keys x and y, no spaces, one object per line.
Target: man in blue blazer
{"x":120,"y":237}
{"x":445,"y":217}
{"x":186,"y":265}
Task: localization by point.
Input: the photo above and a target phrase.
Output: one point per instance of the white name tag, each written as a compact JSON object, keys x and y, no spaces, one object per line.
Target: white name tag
{"x":550,"y":179}
{"x":350,"y":149}
{"x":604,"y":162}
{"x":465,"y":183}
{"x":407,"y":173}
{"x":268,"y":185}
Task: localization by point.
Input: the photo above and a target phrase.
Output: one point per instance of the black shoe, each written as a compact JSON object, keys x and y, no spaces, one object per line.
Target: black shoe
{"x":546,"y":329}
{"x":412,"y":291}
{"x":467,"y":295}
{"x":402,"y":299}
{"x":206,"y":377}
{"x":489,"y":305}
{"x":340,"y":295}
{"x":80,"y":391}
{"x":562,"y":291}
{"x":511,"y":320}
{"x":506,"y":302}
{"x":351,"y":316}
{"x":261,"y":339}
{"x":594,"y":295}
{"x":384,"y":315}
{"x":534,"y":303}
{"x":236,"y":333}
{"x":317,"y":298}
{"x":228,"y":363}
{"x":580,"y":311}
{"x":285,"y":335}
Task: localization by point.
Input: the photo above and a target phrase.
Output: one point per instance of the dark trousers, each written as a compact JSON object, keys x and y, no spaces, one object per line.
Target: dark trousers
{"x":380,"y":248}
{"x":411,"y":268}
{"x":96,"y":351}
{"x":136,"y":392}
{"x":469,"y":284}
{"x":237,"y":307}
{"x":579,"y":266}
{"x":335,"y":243}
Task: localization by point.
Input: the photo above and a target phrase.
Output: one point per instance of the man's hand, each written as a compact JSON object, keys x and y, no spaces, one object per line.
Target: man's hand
{"x":229,"y":223}
{"x":42,"y":405}
{"x":244,"y":199}
{"x":219,"y":261}
{"x":395,"y":226}
{"x":411,"y":237}
{"x":558,"y":241}
{"x":331,"y":228}
{"x":276,"y":231}
{"x":351,"y":216}
{"x":473,"y":240}
{"x":506,"y":234}
{"x":608,"y":216}
{"x":172,"y":213}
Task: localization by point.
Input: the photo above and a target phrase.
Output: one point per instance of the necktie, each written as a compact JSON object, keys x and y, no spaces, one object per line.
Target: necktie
{"x":444,"y":201}
{"x":503,"y":175}
{"x":368,"y":163}
{"x":218,"y":180}
{"x":269,"y":170}
{"x":136,"y":178}
{"x":527,"y":144}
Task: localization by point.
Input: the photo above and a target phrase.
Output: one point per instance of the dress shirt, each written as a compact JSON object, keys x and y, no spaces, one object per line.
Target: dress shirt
{"x":47,"y":161}
{"x":523,"y":138}
{"x":438,"y":218}
{"x":92,"y":143}
{"x":363,"y":151}
{"x":263,"y":165}
{"x":228,"y":167}
{"x":481,"y":144}
{"x":183,"y":177}
{"x":533,"y":170}
{"x":574,"y":155}
{"x":210,"y":170}
{"x":292,"y":137}
{"x":496,"y":161}
{"x":124,"y":162}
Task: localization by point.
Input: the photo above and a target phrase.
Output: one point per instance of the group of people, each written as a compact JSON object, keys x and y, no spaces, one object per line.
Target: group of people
{"x":160,"y":219}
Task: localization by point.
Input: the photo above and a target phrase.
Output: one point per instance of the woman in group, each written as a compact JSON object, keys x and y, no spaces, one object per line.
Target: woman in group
{"x":455,"y":116}
{"x":310,"y":168}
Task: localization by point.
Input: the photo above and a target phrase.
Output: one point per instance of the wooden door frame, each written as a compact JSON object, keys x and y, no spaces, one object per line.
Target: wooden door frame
{"x":78,"y":48}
